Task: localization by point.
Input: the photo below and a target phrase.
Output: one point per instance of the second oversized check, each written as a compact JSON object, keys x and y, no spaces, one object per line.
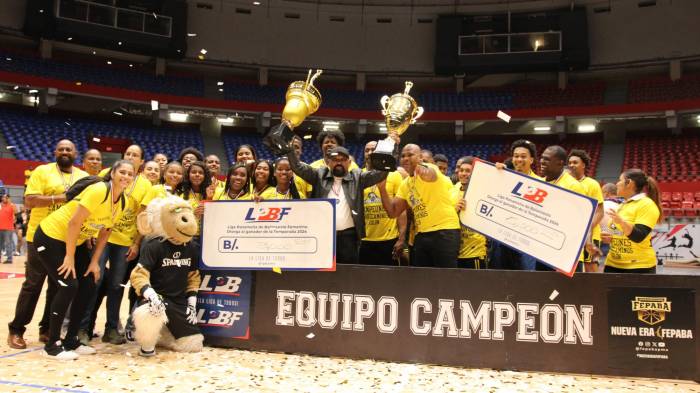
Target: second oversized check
{"x":545,"y":221}
{"x":289,"y":234}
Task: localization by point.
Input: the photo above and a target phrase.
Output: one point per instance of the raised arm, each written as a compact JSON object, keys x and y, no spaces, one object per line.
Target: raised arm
{"x":393,"y":206}
{"x":305,"y":171}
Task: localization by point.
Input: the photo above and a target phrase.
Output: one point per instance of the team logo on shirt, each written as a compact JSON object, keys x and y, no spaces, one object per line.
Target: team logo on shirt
{"x":372,"y":198}
{"x":267,"y":214}
{"x":529,"y":193}
{"x":651,"y":310}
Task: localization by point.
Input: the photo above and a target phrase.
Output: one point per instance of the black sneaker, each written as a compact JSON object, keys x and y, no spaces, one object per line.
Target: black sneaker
{"x":58,"y":352}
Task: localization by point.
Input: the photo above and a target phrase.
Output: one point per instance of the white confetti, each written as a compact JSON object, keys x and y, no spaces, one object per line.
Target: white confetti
{"x":40,"y":249}
{"x":554,"y":295}
{"x":310,"y":335}
{"x":128,"y":354}
{"x":125,"y":285}
{"x":54,"y":313}
{"x":503,"y":116}
{"x":219,"y":305}
{"x":11,"y":275}
{"x":61,"y":283}
{"x":353,"y":212}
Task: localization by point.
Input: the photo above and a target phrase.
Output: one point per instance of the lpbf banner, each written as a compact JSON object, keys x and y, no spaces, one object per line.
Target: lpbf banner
{"x":513,"y":320}
{"x":223,"y":303}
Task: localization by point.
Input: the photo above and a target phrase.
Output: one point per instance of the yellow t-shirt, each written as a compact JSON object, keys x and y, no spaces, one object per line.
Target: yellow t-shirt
{"x":221,"y":195}
{"x":533,"y":175}
{"x":624,"y":253}
{"x":124,"y":230}
{"x":271,"y":194}
{"x":378,"y":225}
{"x":570,"y":183}
{"x":593,"y":190}
{"x":194,"y":199}
{"x":97,"y":200}
{"x":157,"y":191}
{"x":303,"y":187}
{"x":472,"y":244}
{"x":48,"y":180}
{"x":431,"y":203}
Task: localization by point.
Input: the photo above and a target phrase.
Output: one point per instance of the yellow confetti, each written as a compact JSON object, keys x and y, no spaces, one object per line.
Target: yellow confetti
{"x":277,"y":270}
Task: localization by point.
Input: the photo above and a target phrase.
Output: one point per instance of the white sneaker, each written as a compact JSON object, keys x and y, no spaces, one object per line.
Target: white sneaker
{"x":147,"y":354}
{"x":63,"y":355}
{"x":85,"y":350}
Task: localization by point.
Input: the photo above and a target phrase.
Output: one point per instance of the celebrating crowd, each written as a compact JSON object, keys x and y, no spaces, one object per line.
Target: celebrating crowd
{"x":82,"y":231}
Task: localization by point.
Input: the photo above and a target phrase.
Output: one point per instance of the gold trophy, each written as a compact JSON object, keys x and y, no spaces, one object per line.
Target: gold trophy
{"x":303,"y":99}
{"x":400,"y":111}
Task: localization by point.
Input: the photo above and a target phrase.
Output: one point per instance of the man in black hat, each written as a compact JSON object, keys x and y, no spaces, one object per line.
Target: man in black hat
{"x":336,"y":180}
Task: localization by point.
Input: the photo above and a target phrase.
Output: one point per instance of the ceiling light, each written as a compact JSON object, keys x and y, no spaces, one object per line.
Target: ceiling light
{"x":33,"y":91}
{"x":225,"y":120}
{"x":191,"y":34}
{"x":15,"y":88}
{"x":176,"y":116}
{"x":586,"y":127}
{"x":119,"y":43}
{"x":8,"y":58}
{"x":308,"y":136}
{"x":70,"y":38}
{"x":219,"y":83}
{"x":154,"y":105}
{"x":221,"y":90}
{"x":118,"y":113}
{"x":131,"y":65}
{"x":109,"y":62}
{"x":94,"y":52}
{"x":256,"y":3}
{"x":96,"y":140}
{"x":2,"y":95}
{"x":203,"y":51}
{"x":542,"y":128}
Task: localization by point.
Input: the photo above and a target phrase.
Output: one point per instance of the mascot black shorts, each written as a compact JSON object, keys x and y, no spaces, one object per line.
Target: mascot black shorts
{"x":176,"y":311}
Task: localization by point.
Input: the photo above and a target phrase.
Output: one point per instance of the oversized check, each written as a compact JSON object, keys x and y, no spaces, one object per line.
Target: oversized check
{"x":540,"y":219}
{"x":289,"y":234}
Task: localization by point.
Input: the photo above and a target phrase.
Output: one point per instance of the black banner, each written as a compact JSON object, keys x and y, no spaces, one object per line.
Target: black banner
{"x":485,"y":319}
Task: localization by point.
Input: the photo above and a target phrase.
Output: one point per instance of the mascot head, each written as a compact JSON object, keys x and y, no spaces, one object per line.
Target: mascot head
{"x":170,"y":218}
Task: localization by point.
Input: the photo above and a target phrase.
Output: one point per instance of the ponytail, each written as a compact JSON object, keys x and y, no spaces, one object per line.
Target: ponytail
{"x":654,"y":194}
{"x":647,"y":184}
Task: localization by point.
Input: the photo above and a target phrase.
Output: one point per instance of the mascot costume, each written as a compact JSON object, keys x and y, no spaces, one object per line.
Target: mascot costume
{"x":167,"y":278}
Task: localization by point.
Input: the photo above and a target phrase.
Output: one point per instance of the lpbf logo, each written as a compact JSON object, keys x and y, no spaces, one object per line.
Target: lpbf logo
{"x":529,"y":193}
{"x":270,"y":214}
{"x":222,"y":285}
{"x":216,"y":318}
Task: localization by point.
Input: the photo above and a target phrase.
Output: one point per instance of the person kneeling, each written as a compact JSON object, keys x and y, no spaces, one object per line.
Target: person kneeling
{"x":167,"y":279}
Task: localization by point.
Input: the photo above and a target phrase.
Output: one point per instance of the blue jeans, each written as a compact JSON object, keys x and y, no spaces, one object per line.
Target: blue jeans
{"x":115,"y":291}
{"x":7,"y":243}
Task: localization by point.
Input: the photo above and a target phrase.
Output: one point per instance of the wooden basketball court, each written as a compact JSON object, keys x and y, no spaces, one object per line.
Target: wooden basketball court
{"x":120,"y":369}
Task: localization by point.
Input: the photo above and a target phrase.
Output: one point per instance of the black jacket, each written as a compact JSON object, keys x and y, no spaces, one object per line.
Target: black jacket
{"x":354,"y":183}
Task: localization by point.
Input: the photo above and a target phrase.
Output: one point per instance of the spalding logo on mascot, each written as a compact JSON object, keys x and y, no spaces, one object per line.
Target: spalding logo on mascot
{"x":167,"y":278}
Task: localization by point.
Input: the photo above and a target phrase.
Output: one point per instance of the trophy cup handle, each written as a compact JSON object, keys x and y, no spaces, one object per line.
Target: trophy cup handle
{"x":384,"y":101}
{"x":418,"y":114}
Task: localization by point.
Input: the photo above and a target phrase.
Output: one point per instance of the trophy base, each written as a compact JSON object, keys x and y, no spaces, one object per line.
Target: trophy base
{"x":383,"y":161}
{"x":279,"y":139}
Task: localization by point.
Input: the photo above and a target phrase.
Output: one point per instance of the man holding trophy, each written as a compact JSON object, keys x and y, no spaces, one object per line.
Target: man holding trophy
{"x":427,"y":192}
{"x":336,"y":180}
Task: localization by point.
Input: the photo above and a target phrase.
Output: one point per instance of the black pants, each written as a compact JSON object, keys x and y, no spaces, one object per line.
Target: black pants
{"x":436,"y":249}
{"x":77,"y":290}
{"x":647,"y":270}
{"x":35,"y":274}
{"x":346,"y":246}
{"x":377,"y":252}
{"x":472,"y":263}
